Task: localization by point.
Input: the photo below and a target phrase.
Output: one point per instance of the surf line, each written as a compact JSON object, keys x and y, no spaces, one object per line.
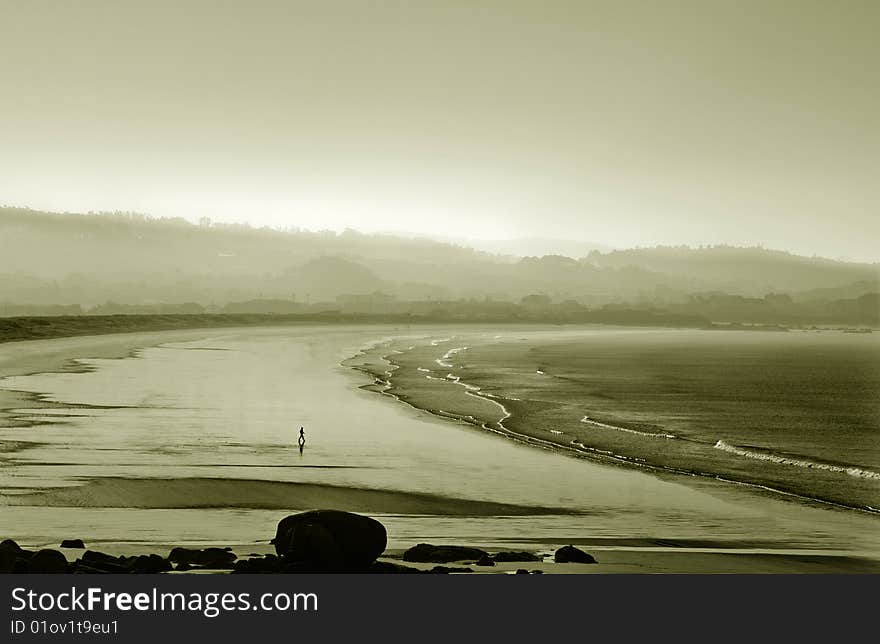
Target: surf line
{"x":577,"y":448}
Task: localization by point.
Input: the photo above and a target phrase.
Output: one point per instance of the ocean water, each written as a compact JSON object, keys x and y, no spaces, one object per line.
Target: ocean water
{"x":145,"y":449}
{"x":798,"y":411}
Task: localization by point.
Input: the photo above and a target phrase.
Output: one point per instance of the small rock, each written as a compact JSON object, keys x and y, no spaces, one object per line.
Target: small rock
{"x":537,"y":572}
{"x":47,"y":561}
{"x":570,"y":554}
{"x":522,"y":571}
{"x":73,"y":543}
{"x":258,"y":564}
{"x":486,"y":560}
{"x":183,"y":567}
{"x":427,"y":553}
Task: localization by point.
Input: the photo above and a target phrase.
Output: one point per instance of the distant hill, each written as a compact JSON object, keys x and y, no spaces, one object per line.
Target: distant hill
{"x":121,"y":259}
{"x":742,"y":270}
{"x":521,"y":246}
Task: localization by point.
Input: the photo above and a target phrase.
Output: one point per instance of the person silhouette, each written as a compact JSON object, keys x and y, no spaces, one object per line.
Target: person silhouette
{"x":302,"y":439}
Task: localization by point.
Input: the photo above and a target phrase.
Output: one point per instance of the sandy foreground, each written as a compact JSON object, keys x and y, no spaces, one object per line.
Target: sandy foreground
{"x":613,"y":555}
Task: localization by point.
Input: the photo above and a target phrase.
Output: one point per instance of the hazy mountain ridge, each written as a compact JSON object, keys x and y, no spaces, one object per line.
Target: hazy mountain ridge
{"x":64,"y":259}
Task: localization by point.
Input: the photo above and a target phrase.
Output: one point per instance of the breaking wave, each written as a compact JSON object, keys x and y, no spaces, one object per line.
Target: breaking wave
{"x":796,"y":461}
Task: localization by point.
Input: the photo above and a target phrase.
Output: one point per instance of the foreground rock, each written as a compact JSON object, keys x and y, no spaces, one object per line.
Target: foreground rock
{"x":47,"y":561}
{"x":13,"y":558}
{"x":329,"y":540}
{"x":427,"y":553}
{"x":570,"y":554}
{"x":214,"y":558}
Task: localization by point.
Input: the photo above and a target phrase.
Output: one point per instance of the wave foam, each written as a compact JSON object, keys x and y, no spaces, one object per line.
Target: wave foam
{"x":588,"y":421}
{"x":760,"y":455}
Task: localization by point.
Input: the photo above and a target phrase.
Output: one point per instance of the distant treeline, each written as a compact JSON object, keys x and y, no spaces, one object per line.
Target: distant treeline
{"x":34,"y":328}
{"x":133,"y":260}
{"x":696,"y":310}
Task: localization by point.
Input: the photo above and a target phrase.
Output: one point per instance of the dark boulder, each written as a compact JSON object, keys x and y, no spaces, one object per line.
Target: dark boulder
{"x":330,"y":539}
{"x":94,"y":560}
{"x":103,"y":562}
{"x":502,"y":557}
{"x":258,"y":565}
{"x":207,"y":558}
{"x":522,"y":571}
{"x":73,"y":543}
{"x":570,"y":554}
{"x":47,"y":561}
{"x":312,"y":546}
{"x":486,"y":561}
{"x":427,"y":553}
{"x":147,"y":564}
{"x":10,"y":552}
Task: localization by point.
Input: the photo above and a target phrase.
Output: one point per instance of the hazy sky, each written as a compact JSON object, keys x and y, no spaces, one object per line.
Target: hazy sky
{"x":624,"y":123}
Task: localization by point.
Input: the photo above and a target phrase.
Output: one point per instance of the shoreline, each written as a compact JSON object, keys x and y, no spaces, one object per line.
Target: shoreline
{"x":385,"y":370}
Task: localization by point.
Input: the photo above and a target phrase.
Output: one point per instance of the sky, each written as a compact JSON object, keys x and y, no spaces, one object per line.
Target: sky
{"x":620,"y":123}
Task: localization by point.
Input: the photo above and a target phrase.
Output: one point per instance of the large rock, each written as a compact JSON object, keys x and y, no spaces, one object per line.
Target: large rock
{"x":570,"y":554}
{"x":12,"y":557}
{"x":47,"y":561}
{"x":330,"y":539}
{"x":427,"y":553}
{"x":73,"y":543}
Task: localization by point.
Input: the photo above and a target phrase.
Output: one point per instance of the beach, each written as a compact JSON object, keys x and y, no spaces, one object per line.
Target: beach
{"x":142,"y":442}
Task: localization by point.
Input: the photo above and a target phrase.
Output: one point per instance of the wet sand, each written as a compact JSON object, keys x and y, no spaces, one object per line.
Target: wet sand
{"x":495,"y":495}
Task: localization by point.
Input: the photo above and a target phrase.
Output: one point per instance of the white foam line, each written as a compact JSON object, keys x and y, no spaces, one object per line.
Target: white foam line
{"x":446,"y":356}
{"x":588,"y":421}
{"x":857,"y":472}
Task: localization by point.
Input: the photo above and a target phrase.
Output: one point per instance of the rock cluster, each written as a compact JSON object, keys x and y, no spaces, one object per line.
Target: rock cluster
{"x":314,"y":541}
